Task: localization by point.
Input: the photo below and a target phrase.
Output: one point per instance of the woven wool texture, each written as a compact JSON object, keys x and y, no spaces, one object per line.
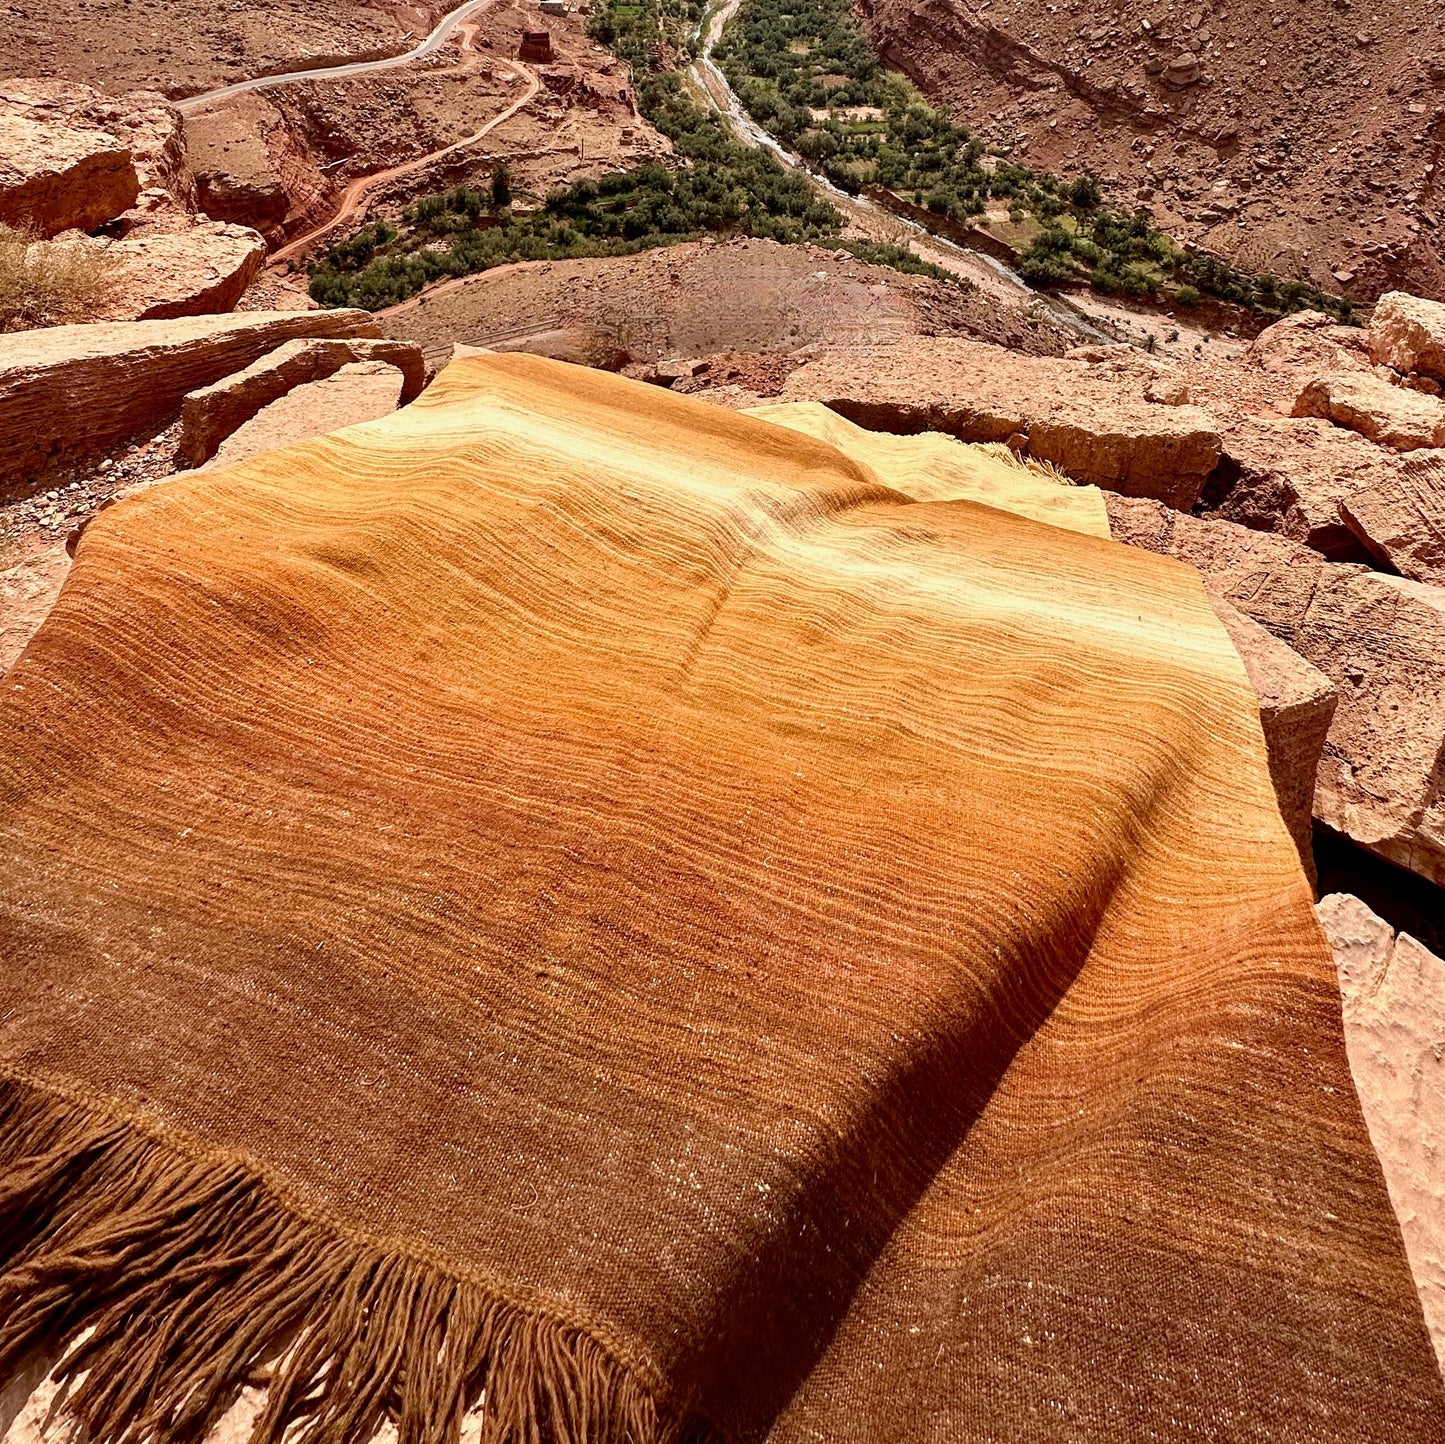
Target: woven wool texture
{"x":574,"y":906}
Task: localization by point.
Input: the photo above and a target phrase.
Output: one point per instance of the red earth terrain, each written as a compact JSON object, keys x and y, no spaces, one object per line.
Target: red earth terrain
{"x":1301,"y":139}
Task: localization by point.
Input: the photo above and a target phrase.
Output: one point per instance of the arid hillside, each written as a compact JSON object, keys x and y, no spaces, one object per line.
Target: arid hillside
{"x":1299,"y":139}
{"x":184,"y":46}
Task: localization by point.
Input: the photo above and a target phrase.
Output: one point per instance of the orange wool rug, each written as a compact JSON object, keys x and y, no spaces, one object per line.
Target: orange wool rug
{"x":576,"y":914}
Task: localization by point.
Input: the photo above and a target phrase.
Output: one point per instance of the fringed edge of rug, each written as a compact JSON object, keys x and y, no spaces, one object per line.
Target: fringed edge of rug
{"x":171,"y":1283}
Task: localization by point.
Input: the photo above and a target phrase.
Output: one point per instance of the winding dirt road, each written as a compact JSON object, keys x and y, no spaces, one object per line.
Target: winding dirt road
{"x":353,"y":198}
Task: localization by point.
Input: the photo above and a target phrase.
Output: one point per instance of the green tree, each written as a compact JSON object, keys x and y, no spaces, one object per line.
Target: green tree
{"x":501,"y":186}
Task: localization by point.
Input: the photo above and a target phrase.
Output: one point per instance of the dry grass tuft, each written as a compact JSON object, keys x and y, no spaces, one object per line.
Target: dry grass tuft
{"x":50,"y":283}
{"x":1031,"y":464}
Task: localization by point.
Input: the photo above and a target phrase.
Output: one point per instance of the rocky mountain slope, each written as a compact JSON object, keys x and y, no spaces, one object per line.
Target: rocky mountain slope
{"x":1304,"y":140}
{"x":188,"y":45}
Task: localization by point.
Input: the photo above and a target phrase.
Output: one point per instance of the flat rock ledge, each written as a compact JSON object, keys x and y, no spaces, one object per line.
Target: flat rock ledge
{"x":211,"y":414}
{"x":71,"y":392}
{"x":1096,"y":424}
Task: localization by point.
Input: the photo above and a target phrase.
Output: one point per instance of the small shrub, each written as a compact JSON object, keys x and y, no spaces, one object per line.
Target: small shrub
{"x":1085,"y":193}
{"x":1188,"y":296}
{"x":49,"y":283}
{"x":501,"y":186}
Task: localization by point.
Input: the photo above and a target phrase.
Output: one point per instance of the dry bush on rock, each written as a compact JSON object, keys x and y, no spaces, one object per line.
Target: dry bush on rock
{"x":50,"y":283}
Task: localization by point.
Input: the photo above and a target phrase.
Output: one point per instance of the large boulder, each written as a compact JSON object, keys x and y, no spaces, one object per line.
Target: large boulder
{"x":1296,"y":705}
{"x":1268,"y":577}
{"x":1380,"y":640}
{"x":200,"y":270}
{"x":1291,"y":476}
{"x":80,"y":120}
{"x":1389,"y":415}
{"x":1393,"y":993}
{"x":1401,"y":519}
{"x":357,"y":392}
{"x":70,"y":392}
{"x":236,"y":177}
{"x":211,"y":414}
{"x":54,"y":178}
{"x":1407,"y":333}
{"x":1308,"y":343}
{"x":1096,"y":427}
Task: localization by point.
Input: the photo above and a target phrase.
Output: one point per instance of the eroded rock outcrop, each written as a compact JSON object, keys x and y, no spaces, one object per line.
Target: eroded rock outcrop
{"x":1401,"y":519}
{"x":1291,"y":476}
{"x":54,"y":179}
{"x":250,"y":165}
{"x":1096,"y":427}
{"x":1390,"y":415}
{"x":1393,"y":992}
{"x":210,"y":415}
{"x":27,"y":592}
{"x":1311,"y":342}
{"x":1381,"y":641}
{"x":200,"y":270}
{"x":1407,"y":333}
{"x":71,"y":391}
{"x":1296,"y":705}
{"x":356,"y":392}
{"x":70,"y":118}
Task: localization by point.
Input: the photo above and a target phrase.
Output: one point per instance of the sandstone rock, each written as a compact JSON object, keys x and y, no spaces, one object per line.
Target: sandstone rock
{"x":1166,"y":391}
{"x":27,"y":593}
{"x":236,"y":177}
{"x":201,"y":270}
{"x":1379,"y":639}
{"x":251,"y":165}
{"x":142,"y":122}
{"x":70,"y":391}
{"x":359,"y":391}
{"x":54,"y":179}
{"x":1182,"y":70}
{"x":1309,"y":340}
{"x":1381,"y":783}
{"x":1296,"y":704}
{"x":1291,"y":476}
{"x":1385,"y":413}
{"x":669,"y":373}
{"x":1393,"y":994}
{"x":211,"y":414}
{"x":1095,"y":426}
{"x":1401,"y":519}
{"x":1267,"y":577}
{"x":1361,"y":942}
{"x":1407,"y":333}
{"x":581,"y":345}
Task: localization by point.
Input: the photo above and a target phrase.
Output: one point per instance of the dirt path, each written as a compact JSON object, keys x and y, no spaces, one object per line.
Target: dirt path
{"x":353,"y":199}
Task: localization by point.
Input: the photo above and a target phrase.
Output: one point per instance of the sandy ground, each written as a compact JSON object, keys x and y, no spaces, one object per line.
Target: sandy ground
{"x":702,"y":299}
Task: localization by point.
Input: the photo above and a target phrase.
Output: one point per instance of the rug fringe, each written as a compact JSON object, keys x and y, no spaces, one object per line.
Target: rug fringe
{"x":172,"y":1283}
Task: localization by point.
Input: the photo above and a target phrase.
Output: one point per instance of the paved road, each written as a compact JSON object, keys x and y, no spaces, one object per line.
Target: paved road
{"x":432,"y":43}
